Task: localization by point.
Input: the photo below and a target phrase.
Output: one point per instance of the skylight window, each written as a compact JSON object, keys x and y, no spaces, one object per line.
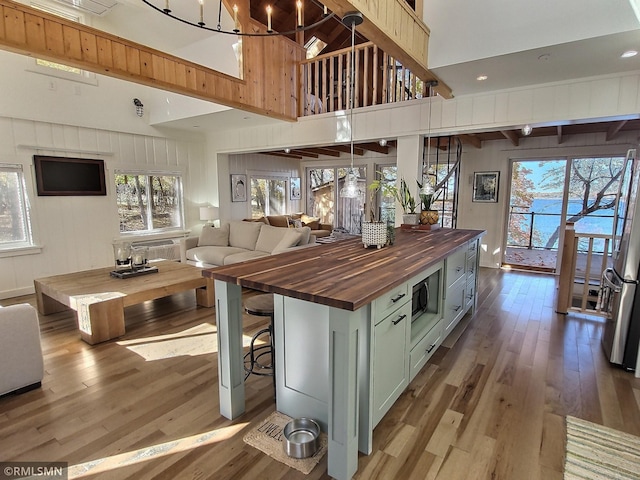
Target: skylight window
{"x":314,"y":46}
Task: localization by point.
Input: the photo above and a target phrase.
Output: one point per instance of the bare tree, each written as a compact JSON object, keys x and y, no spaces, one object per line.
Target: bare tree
{"x":593,"y":180}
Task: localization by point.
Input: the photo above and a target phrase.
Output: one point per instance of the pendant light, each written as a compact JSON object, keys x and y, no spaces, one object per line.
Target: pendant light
{"x":427,"y":187}
{"x":350,"y":188}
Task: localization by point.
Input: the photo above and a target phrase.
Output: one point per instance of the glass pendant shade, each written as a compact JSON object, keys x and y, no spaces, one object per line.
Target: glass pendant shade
{"x":350,"y":188}
{"x":427,"y":188}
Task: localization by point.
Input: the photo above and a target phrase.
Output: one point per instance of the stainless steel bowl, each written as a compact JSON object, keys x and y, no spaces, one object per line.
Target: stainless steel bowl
{"x":301,"y":437}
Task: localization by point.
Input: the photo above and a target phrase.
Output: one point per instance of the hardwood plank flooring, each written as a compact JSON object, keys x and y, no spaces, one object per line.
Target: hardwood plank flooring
{"x":490,"y":404}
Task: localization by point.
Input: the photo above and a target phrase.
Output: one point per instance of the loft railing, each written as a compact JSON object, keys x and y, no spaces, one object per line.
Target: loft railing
{"x":581,"y":272}
{"x":325,"y":81}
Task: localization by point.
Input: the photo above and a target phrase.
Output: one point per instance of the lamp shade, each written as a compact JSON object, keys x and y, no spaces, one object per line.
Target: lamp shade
{"x":209,"y":213}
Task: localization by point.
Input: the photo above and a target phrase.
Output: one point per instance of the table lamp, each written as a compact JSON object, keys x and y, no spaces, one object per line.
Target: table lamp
{"x":209,"y":214}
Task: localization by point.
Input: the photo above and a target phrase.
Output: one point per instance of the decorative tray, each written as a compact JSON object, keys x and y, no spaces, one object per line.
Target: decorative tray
{"x":419,"y":227}
{"x":134,"y":273}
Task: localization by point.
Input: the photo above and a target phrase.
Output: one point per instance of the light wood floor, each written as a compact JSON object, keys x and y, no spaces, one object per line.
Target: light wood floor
{"x":490,"y":404}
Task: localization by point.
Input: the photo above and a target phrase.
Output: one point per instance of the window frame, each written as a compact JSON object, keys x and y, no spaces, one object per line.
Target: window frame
{"x":151,"y":173}
{"x":268,"y":176}
{"x":25,"y":205}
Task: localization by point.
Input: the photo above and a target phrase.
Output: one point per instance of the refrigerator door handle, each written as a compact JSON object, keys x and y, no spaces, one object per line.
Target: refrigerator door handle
{"x":606,"y":280}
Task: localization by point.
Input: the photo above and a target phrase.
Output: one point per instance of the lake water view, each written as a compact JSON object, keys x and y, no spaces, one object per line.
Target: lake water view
{"x":547,"y":219}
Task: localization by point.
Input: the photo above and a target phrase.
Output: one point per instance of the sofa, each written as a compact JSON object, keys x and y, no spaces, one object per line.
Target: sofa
{"x":239,"y":241}
{"x":21,"y":361}
{"x":300,"y":219}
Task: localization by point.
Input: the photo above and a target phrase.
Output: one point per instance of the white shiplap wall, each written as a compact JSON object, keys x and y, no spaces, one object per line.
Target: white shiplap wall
{"x":76,"y":233}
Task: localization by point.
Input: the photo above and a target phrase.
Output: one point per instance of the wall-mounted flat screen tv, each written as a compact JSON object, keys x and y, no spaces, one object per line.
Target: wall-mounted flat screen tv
{"x":69,"y":176}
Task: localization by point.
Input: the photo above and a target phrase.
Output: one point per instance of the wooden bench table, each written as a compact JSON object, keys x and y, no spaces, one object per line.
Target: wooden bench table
{"x":99,"y":299}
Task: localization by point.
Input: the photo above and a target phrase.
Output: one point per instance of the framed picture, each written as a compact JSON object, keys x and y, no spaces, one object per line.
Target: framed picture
{"x":238,"y":187}
{"x":295,"y":188}
{"x":485,"y":186}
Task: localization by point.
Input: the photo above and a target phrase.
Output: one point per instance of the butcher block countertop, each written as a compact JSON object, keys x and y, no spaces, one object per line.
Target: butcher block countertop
{"x":344,"y":274}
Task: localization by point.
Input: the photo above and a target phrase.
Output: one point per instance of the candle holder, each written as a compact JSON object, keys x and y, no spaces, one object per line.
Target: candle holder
{"x":139,"y":258}
{"x":122,"y":256}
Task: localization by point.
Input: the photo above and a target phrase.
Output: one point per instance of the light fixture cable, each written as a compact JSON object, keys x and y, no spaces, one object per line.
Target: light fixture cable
{"x":350,"y":189}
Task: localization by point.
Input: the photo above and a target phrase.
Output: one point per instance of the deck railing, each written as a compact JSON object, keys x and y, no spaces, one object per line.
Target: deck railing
{"x":325,"y":81}
{"x":581,"y":272}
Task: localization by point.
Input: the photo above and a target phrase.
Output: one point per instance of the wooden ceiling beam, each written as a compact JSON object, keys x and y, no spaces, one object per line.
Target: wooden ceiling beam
{"x":305,"y":153}
{"x":374,"y":147}
{"x":512,"y":136}
{"x":323,"y":151}
{"x":347,"y":149}
{"x":282,"y":154}
{"x":471,"y":139}
{"x":614,"y":129}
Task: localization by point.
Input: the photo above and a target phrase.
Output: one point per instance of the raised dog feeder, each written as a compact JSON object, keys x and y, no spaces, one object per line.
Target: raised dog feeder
{"x":301,"y":438}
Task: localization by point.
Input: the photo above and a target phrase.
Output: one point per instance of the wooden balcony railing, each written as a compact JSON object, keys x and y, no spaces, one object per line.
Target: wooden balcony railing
{"x":325,"y":81}
{"x":580,"y":283}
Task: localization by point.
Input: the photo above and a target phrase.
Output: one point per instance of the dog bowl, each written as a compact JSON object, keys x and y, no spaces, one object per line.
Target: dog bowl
{"x":301,"y":437}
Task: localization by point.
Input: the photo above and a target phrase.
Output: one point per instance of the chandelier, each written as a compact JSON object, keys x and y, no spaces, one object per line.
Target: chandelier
{"x":198,"y":17}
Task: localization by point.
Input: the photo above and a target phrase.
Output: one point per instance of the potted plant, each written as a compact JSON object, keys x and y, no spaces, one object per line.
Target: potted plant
{"x":374,"y":231}
{"x":428,"y":216}
{"x":408,"y":203}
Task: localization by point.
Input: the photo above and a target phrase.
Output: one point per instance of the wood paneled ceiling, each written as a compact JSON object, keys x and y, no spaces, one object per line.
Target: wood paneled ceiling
{"x":333,"y":32}
{"x":560,"y":133}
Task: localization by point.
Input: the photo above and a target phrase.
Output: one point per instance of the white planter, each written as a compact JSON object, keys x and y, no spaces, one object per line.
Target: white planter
{"x":410,"y":218}
{"x":374,"y":233}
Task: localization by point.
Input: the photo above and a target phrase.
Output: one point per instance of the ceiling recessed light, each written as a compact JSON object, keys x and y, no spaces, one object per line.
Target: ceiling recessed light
{"x":629,"y":54}
{"x":481,"y":78}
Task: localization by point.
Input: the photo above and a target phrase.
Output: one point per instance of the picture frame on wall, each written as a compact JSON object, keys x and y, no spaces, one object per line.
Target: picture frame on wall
{"x":294,"y":190}
{"x":485,"y":186}
{"x":238,"y":187}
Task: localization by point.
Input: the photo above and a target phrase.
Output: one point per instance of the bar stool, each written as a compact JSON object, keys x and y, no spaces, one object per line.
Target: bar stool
{"x":262,"y":306}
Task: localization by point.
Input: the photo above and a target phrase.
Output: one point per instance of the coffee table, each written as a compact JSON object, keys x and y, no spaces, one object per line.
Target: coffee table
{"x":99,"y":299}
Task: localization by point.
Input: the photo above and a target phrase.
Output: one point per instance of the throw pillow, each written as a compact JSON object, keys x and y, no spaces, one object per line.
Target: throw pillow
{"x":305,"y":232}
{"x":212,"y":236}
{"x":269,"y":238}
{"x":315,"y":225}
{"x":278,"y":220}
{"x":244,"y":234}
{"x":290,"y":239}
{"x":306,"y":219}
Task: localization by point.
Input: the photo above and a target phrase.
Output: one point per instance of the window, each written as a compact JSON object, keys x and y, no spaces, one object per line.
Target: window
{"x":268,"y":196}
{"x":15,"y":224}
{"x":149,"y":202}
{"x":324,"y":202}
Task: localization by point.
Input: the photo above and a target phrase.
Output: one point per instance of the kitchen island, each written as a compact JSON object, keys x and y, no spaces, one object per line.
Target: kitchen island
{"x":353,"y":326}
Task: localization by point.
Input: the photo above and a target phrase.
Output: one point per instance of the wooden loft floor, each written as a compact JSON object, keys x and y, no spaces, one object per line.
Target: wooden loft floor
{"x":490,"y":404}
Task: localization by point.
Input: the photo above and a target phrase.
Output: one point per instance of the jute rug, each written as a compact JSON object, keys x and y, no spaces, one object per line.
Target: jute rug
{"x":267,"y":437}
{"x":600,"y":453}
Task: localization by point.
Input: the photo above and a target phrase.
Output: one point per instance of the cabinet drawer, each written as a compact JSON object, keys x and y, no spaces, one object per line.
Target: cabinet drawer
{"x":470,"y":294}
{"x":454,"y":305}
{"x":471,"y":266}
{"x":456,"y":264}
{"x":424,"y":349}
{"x":390,"y":301}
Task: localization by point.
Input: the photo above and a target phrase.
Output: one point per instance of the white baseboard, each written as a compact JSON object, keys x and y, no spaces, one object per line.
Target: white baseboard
{"x":18,"y":292}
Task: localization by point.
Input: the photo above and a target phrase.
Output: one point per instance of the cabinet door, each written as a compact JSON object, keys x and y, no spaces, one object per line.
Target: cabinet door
{"x":390,"y":360}
{"x":454,"y":305}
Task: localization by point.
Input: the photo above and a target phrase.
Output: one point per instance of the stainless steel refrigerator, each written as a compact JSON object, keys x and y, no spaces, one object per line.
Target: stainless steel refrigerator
{"x":621,"y":336}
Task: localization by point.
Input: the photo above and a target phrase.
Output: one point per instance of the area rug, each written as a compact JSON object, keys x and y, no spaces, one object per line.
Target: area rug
{"x":600,"y":453}
{"x":267,"y":437}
